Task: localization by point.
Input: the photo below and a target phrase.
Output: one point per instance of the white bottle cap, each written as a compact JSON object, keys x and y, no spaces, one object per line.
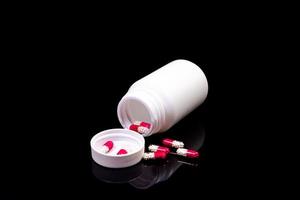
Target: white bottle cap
{"x":131,"y":141}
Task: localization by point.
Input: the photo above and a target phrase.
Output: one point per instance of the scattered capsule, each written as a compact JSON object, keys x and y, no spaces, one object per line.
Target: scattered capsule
{"x":139,"y":129}
{"x":189,"y":153}
{"x":154,"y":155}
{"x":172,"y":143}
{"x":144,"y":124}
{"x":107,"y":146}
{"x":154,"y":148}
{"x":121,"y":152}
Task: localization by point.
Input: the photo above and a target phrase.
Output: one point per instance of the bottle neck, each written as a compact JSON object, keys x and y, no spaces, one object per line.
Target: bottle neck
{"x":142,"y":105}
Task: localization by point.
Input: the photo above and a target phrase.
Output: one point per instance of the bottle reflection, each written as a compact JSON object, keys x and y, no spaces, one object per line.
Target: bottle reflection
{"x":146,"y":174}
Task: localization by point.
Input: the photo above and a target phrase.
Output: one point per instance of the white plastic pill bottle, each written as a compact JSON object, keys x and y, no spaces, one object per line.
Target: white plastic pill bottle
{"x":164,"y":97}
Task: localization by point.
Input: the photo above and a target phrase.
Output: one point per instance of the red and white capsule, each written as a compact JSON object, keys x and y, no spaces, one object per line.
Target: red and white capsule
{"x":189,"y":153}
{"x":107,"y":146}
{"x":122,"y":152}
{"x":144,"y":124}
{"x":154,"y":155}
{"x":139,"y":129}
{"x":154,"y":148}
{"x":172,"y":143}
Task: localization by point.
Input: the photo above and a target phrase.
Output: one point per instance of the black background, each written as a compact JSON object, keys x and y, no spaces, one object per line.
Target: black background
{"x":70,"y":82}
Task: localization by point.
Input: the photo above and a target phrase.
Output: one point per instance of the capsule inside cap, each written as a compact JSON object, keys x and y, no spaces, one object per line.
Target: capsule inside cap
{"x":107,"y":146}
{"x":122,"y":151}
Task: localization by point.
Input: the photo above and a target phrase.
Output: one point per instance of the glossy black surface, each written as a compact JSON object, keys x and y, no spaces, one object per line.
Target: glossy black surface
{"x":71,"y":93}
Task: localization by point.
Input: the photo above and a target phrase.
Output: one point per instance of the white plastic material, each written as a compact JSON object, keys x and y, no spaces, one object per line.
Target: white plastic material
{"x":164,"y":97}
{"x":126,"y":139}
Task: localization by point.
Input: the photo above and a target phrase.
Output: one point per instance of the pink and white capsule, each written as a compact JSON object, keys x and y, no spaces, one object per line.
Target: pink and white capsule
{"x":107,"y":146}
{"x":139,"y":129}
{"x":144,"y":124}
{"x":121,"y":152}
{"x":189,"y":153}
{"x":172,"y":143}
{"x":154,"y":155}
{"x":154,"y":148}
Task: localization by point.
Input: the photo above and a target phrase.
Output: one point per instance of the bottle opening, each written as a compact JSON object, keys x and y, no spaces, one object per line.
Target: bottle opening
{"x":131,"y":109}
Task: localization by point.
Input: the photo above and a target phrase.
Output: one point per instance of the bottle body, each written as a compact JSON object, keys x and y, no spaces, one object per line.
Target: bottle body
{"x":165,"y":96}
